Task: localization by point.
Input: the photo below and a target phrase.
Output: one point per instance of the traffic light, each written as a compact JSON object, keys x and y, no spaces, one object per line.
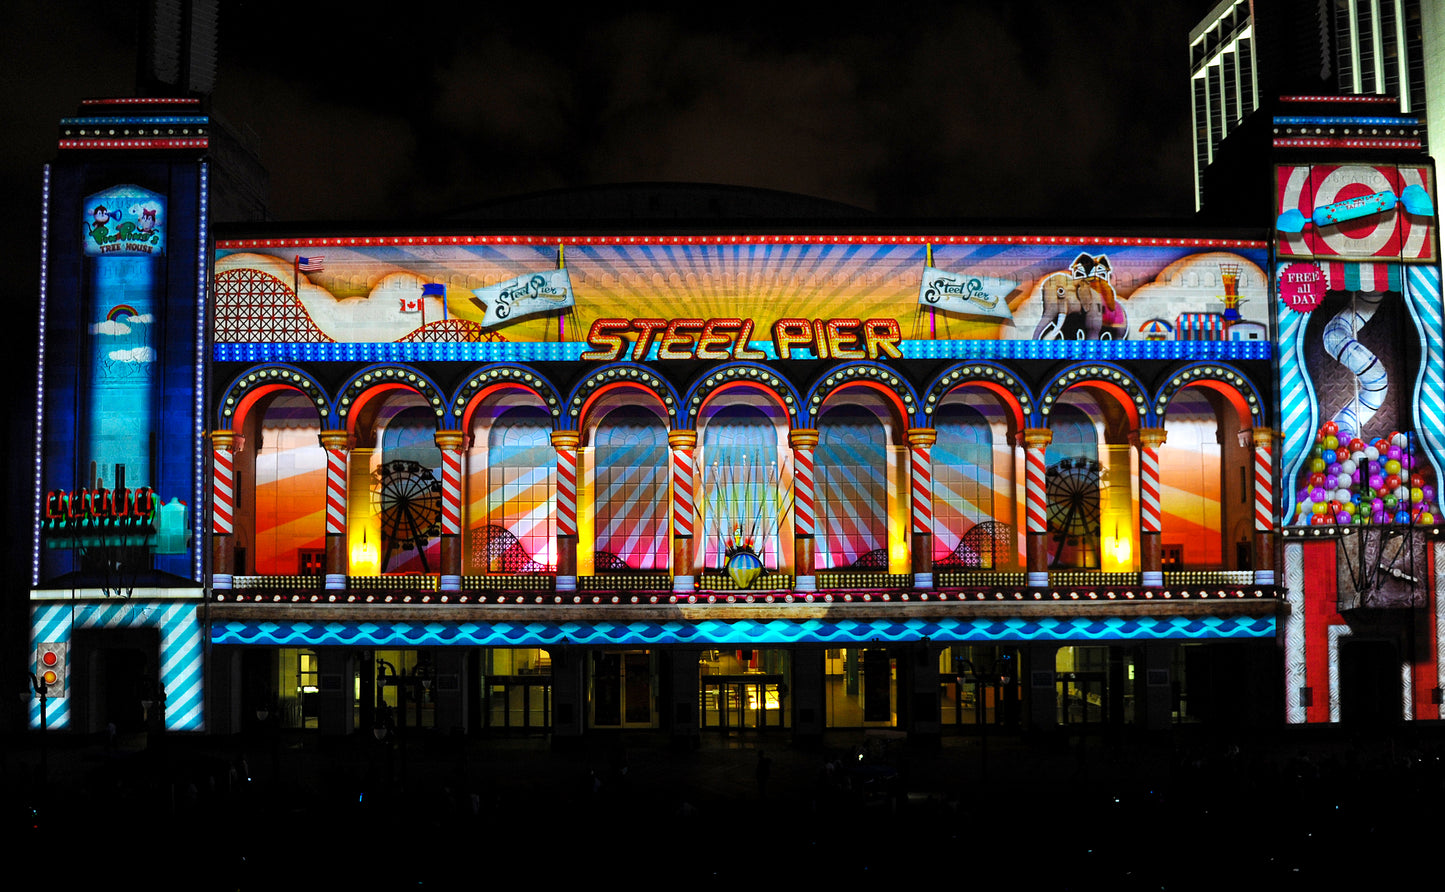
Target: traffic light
{"x":50,"y":669}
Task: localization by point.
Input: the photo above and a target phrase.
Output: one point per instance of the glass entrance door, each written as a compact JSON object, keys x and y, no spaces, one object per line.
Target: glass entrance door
{"x":518,"y":703}
{"x":742,"y":702}
{"x":1082,"y":698}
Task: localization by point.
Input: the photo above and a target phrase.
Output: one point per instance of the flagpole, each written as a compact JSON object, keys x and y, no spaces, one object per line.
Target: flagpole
{"x":932,"y":312}
{"x":562,"y":316}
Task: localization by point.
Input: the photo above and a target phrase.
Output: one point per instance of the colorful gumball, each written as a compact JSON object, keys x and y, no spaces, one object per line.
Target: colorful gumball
{"x":1329,"y":428}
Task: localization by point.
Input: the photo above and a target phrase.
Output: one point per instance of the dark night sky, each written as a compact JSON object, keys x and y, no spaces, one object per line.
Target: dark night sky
{"x":1016,"y":108}
{"x":1029,"y":109}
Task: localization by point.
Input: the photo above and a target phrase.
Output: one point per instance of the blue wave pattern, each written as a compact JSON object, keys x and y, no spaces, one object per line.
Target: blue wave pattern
{"x":180,"y":656}
{"x":773,"y":632}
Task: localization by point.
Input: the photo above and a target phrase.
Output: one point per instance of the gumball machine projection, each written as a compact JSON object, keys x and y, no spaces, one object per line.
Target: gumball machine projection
{"x":1352,"y":481}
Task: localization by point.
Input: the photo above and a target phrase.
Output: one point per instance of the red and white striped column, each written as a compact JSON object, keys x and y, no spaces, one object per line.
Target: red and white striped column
{"x":1263,"y":439}
{"x":1036,"y":440}
{"x":224,"y":446}
{"x":684,"y":509}
{"x":1151,"y":570}
{"x":920,"y":447}
{"x":803,"y":441}
{"x":451,"y":444}
{"x":337,"y":444}
{"x":566,"y":442}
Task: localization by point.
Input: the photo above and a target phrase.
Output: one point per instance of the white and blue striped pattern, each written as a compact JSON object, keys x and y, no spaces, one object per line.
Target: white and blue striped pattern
{"x":182,"y":666}
{"x":1298,"y":407}
{"x":1422,"y":296}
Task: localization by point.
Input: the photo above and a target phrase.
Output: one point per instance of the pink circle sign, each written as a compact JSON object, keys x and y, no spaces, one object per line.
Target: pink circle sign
{"x":1301,"y":287}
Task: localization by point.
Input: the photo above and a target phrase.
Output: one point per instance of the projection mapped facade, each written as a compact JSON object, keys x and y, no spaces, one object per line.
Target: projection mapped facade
{"x":800,"y":479}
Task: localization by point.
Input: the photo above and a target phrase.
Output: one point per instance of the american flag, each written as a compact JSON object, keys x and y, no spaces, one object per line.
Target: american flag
{"x":313,"y":264}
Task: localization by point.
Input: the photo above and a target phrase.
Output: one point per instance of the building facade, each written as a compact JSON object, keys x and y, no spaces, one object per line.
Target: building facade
{"x":801,"y":478}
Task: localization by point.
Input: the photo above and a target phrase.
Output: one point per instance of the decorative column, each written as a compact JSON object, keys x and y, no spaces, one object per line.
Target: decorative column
{"x":451,"y":443}
{"x":684,"y":509}
{"x":1036,"y":439}
{"x":565,"y":442}
{"x":224,"y":446}
{"x":920,"y":444}
{"x":803,"y":441}
{"x":1150,"y":515}
{"x":337,"y":446}
{"x":1263,"y":507}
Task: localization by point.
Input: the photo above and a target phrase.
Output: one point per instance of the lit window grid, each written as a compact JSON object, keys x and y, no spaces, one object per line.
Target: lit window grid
{"x":963,"y":487}
{"x":632,"y":505}
{"x":852,"y":503}
{"x":521,"y":500}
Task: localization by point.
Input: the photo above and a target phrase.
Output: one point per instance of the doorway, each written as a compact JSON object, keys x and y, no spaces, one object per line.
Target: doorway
{"x":1369,"y":683}
{"x":622,"y":689}
{"x":115,"y":674}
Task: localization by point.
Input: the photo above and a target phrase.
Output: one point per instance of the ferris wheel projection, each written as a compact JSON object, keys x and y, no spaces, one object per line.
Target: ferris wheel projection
{"x":411,"y":506}
{"x":1072,"y":488}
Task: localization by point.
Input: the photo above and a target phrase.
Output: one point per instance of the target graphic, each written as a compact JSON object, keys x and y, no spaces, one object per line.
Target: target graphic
{"x":1394,"y":234}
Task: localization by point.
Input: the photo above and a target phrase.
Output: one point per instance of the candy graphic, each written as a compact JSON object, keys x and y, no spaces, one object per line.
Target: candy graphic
{"x":1413,"y":198}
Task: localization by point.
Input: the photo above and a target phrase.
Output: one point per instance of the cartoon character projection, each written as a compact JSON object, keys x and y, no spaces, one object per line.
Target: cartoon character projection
{"x":1079,"y":304}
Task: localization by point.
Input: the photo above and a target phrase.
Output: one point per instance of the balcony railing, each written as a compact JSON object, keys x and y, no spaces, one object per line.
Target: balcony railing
{"x":656,"y":586}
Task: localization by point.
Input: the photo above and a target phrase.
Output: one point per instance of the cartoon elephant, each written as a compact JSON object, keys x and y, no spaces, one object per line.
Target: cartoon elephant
{"x":1081,"y":305}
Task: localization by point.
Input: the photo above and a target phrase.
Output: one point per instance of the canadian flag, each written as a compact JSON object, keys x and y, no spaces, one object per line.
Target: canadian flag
{"x":411,"y":304}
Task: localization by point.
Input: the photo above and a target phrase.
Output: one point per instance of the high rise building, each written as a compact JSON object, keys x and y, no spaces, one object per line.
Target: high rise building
{"x":1243,"y":52}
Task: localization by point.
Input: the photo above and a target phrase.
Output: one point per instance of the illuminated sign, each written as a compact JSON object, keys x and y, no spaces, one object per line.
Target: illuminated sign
{"x":649,"y":297}
{"x":728,"y":338}
{"x":118,"y":417}
{"x":124,"y":220}
{"x":1301,"y":286}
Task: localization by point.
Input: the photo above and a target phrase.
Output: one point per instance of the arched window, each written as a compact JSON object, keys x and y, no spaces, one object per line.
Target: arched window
{"x":1190,"y":491}
{"x":740,"y":483}
{"x":962,"y":478}
{"x":630,"y":458}
{"x":289,"y":533}
{"x":407,"y":482}
{"x":851,"y":488}
{"x":519,"y":532}
{"x":1073,"y":499}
